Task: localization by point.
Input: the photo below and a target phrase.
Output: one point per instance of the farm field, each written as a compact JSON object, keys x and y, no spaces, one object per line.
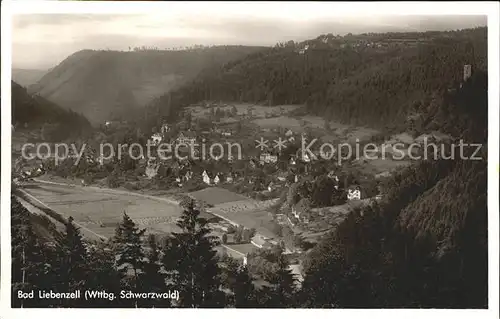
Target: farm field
{"x":101,"y":210}
{"x":216,"y":195}
{"x":238,"y":209}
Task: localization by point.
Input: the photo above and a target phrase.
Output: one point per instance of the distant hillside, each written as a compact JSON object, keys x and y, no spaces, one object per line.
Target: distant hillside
{"x":369,"y":79}
{"x":107,"y":84}
{"x":34,"y":113}
{"x":26,"y":77}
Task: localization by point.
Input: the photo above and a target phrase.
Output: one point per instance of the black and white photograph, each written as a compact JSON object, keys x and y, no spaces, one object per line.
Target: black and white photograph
{"x":251,"y":155}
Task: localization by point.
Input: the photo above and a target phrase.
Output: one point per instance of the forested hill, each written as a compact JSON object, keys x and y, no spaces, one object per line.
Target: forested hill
{"x":365,"y":79}
{"x":426,"y":244}
{"x":106,"y":85}
{"x":35,"y":113}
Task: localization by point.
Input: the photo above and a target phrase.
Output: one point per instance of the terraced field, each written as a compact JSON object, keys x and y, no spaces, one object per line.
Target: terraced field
{"x":101,"y":210}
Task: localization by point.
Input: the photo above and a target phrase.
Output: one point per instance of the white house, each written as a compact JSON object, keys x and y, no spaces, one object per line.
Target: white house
{"x":165,"y":128}
{"x":268,"y":158}
{"x":206,"y":178}
{"x":258,"y":241}
{"x":302,"y":51}
{"x":270,"y":187}
{"x":156,"y":138}
{"x":306,"y":158}
{"x":354,"y":193}
{"x":216,"y":179}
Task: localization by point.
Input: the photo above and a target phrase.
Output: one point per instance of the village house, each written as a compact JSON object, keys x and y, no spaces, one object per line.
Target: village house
{"x":304,"y":50}
{"x":165,"y":129}
{"x":260,"y":241}
{"x":299,"y":215}
{"x":205,"y":177}
{"x":216,"y":179}
{"x":270,"y":187}
{"x":188,"y":175}
{"x":303,"y":156}
{"x":354,"y":193}
{"x":226,"y":133}
{"x":306,"y":158}
{"x":383,"y":175}
{"x":266,"y":158}
{"x":156,"y":139}
{"x":289,"y":135}
{"x":186,"y":137}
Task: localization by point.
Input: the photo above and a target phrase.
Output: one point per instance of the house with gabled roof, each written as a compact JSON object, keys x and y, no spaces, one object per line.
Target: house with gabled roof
{"x":186,"y":137}
{"x":216,"y":179}
{"x":165,"y":128}
{"x":156,"y":139}
{"x":267,"y":158}
{"x":205,"y":177}
{"x":260,"y":241}
{"x":354,"y":193}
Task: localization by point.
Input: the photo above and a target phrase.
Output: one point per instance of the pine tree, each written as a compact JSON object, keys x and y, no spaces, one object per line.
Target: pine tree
{"x":104,"y":274}
{"x":73,"y":261}
{"x":244,"y":289}
{"x":31,"y":268}
{"x":283,"y":285}
{"x":237,"y":279}
{"x":128,"y":250}
{"x":153,"y":280}
{"x":191,"y":262}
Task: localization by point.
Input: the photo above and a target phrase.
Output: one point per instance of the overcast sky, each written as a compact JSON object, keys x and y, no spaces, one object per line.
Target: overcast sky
{"x":41,"y":41}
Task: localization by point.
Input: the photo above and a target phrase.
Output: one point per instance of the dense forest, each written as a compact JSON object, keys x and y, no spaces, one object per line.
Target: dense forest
{"x":33,"y":113}
{"x":423,"y":246}
{"x":371,"y":79}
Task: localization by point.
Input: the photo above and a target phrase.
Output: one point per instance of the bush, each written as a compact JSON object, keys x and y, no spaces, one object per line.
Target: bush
{"x":112,"y":181}
{"x":131,"y":186}
{"x":88,"y":179}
